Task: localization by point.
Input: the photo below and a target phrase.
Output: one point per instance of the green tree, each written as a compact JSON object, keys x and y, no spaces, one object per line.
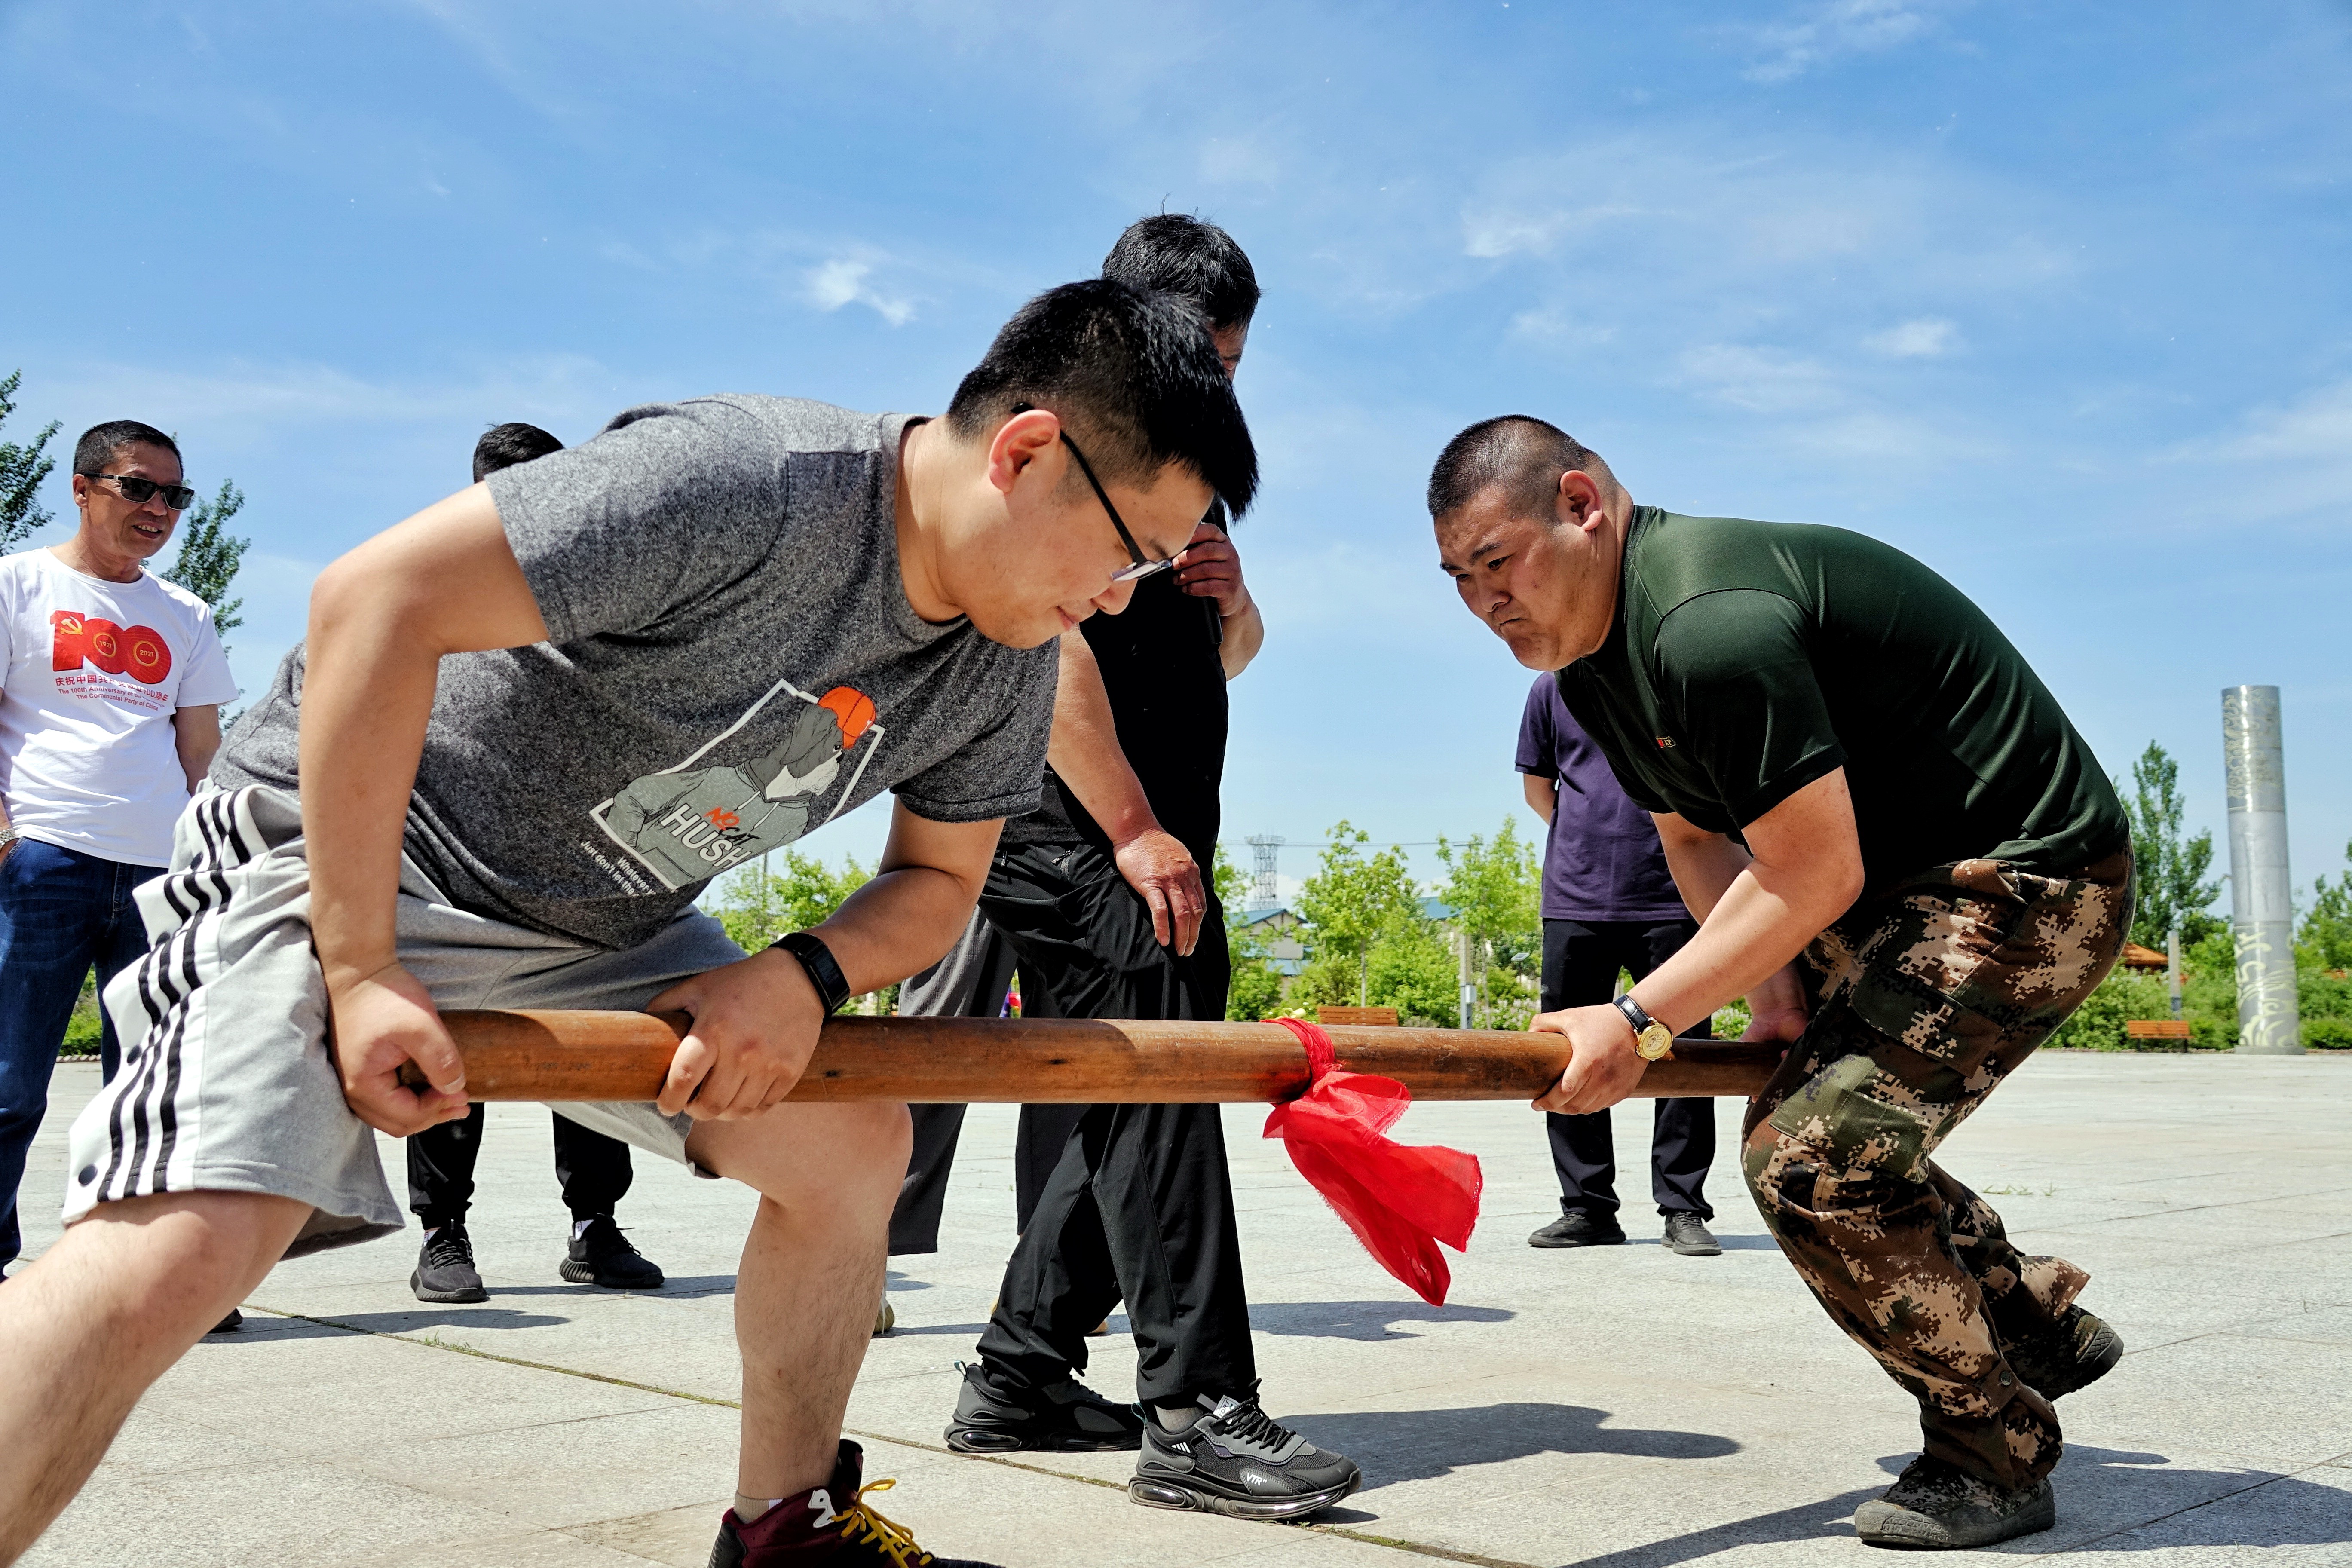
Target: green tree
{"x":1494,"y":889}
{"x":1255,"y":991}
{"x":2325,"y":941}
{"x":757,"y":905}
{"x":1351,"y":902}
{"x":2170,"y":870}
{"x":22,"y":469}
{"x":209,"y":555}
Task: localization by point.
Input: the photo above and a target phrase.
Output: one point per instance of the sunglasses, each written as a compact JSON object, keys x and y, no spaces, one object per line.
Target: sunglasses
{"x":1144,"y":565}
{"x":139,"y":491}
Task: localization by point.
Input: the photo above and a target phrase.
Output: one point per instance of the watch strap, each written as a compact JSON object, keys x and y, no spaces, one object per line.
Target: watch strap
{"x":1635,"y":1013}
{"x":824,"y":971}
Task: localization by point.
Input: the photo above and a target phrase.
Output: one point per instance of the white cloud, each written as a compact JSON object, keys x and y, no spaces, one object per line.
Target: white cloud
{"x":830,"y":285}
{"x":1819,"y":33}
{"x":2292,"y":458}
{"x":1928,"y":337}
{"x":1763,"y":381}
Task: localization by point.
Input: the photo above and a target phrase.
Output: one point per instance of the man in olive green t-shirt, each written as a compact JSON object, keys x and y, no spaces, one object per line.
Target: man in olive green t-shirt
{"x":1902,"y":855}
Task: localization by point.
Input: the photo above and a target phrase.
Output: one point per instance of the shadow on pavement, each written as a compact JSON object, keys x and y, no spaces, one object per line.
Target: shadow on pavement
{"x":1367,"y":1321}
{"x":1421,"y":1445}
{"x":2285,"y":1513}
{"x":272,"y":1328}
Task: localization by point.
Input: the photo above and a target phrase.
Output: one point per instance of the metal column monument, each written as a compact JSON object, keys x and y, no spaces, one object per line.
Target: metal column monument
{"x":2262,"y":915}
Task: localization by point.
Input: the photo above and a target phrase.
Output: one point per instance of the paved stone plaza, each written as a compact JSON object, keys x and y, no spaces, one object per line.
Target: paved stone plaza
{"x":1625,"y":1407}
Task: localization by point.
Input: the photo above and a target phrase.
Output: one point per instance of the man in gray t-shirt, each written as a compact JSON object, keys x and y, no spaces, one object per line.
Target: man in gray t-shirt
{"x":529,"y":724}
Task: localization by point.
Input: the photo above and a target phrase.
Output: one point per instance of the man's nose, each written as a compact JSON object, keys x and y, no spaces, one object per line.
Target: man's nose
{"x":1115,"y":599}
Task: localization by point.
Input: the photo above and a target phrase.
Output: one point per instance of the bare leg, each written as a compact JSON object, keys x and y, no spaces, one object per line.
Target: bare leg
{"x":101,"y":1315}
{"x":812,"y":1273}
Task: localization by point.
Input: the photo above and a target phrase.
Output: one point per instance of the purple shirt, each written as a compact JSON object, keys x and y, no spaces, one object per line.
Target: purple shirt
{"x":1602,"y":860}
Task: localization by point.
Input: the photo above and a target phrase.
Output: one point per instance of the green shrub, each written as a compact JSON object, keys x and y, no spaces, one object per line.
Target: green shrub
{"x":82,"y":1029}
{"x":2098,"y":1024}
{"x":2326,"y":1034}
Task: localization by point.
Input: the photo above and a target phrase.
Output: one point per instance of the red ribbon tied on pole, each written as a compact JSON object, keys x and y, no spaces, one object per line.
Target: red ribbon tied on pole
{"x":1400,"y":1201}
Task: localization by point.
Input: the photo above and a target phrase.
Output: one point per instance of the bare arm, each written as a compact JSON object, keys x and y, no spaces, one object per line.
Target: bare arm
{"x":1757,"y":908}
{"x":195,"y":733}
{"x":1210,"y":568}
{"x":1543,"y":794}
{"x":756,"y":1022}
{"x":381,"y":619}
{"x":1085,"y":752}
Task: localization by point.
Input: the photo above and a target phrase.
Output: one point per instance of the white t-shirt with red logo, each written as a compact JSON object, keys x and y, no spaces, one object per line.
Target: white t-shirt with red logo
{"x":88,"y":759}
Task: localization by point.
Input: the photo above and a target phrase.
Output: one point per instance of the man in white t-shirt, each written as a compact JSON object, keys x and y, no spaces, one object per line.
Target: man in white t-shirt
{"x":109,"y":716}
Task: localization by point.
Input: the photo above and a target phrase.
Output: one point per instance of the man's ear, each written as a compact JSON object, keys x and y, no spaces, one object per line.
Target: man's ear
{"x":1579,"y":501}
{"x":1028,"y":437}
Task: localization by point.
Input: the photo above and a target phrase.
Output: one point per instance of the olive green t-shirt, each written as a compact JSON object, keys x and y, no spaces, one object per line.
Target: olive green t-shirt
{"x":1751,"y":658}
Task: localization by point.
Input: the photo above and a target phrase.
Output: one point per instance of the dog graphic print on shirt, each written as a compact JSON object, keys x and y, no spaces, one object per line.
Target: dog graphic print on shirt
{"x":687,"y":824}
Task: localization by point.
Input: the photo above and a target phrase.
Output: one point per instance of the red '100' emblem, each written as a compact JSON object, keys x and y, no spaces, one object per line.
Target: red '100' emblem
{"x":139,"y":652}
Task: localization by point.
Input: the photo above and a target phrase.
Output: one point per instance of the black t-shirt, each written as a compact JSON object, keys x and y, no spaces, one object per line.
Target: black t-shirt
{"x":1167,"y":687}
{"x":1751,"y":658}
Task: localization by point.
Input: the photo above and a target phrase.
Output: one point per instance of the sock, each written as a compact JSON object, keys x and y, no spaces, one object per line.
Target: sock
{"x":1177,"y":1417}
{"x":748,"y":1509}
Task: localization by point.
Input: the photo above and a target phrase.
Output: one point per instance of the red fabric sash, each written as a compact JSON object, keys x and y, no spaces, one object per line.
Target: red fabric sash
{"x":1399,"y":1201}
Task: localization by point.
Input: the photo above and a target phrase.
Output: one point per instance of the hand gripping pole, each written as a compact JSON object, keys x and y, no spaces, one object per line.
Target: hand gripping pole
{"x":577,"y":1056}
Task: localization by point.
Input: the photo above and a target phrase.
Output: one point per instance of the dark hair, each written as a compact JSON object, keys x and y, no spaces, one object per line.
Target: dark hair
{"x":100,"y":442}
{"x":1525,"y":455}
{"x":1130,"y":373}
{"x":1180,"y":255}
{"x":504,"y":445}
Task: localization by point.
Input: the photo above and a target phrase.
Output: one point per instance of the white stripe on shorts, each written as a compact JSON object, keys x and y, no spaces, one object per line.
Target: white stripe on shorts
{"x":147,"y":1151}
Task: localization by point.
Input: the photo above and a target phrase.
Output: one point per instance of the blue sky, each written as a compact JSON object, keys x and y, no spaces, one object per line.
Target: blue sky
{"x":2053,"y":296}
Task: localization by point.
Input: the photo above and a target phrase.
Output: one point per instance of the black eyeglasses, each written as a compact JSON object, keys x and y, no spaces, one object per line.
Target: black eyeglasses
{"x":1144,"y":565}
{"x":139,"y":491}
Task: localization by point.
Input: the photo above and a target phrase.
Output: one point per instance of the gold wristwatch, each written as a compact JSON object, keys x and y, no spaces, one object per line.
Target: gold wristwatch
{"x":1653,"y":1041}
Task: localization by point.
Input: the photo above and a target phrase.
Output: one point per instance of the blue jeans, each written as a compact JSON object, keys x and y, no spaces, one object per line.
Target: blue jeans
{"x":60,"y":911}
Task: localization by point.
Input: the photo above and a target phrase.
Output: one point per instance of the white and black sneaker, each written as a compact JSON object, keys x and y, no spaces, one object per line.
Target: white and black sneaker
{"x":1235,"y":1459}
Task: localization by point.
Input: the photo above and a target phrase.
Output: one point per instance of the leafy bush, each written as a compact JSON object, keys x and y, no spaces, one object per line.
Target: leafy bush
{"x":2326,"y":1034}
{"x":2098,"y":1024}
{"x":83,"y":1028}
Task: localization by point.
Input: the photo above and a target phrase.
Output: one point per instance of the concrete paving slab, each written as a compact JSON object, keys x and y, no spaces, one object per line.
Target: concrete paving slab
{"x":1622,"y":1406}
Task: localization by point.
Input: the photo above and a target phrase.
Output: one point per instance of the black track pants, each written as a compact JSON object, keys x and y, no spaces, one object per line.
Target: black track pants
{"x":592,"y":1169}
{"x":1139,"y":1206}
{"x":1581,"y":959}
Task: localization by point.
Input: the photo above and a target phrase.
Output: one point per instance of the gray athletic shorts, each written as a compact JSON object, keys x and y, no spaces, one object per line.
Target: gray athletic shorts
{"x":230,"y":1086}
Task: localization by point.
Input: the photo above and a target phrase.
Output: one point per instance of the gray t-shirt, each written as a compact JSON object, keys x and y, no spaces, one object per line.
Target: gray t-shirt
{"x":731,"y":663}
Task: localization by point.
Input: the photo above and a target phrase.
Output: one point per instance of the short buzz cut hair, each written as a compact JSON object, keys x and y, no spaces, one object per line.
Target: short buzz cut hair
{"x":1523,"y":455}
{"x":504,"y":445}
{"x":1185,"y":256}
{"x":1132,"y":375}
{"x":100,"y":443}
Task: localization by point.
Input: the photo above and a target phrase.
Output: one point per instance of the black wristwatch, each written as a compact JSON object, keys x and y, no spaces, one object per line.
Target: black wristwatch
{"x":832,"y":985}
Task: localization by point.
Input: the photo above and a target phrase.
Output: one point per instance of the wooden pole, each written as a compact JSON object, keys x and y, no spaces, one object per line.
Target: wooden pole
{"x":624,"y":1055}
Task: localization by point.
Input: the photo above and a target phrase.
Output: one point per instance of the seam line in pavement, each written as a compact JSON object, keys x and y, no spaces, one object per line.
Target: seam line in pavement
{"x":426,"y":1342}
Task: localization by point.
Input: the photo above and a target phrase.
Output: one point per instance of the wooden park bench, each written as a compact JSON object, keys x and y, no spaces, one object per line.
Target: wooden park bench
{"x":2157,"y":1029}
{"x":1378,"y":1017}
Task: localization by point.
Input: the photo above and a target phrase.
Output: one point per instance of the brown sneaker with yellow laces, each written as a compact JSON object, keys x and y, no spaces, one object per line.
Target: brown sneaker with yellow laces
{"x":830,"y":1527}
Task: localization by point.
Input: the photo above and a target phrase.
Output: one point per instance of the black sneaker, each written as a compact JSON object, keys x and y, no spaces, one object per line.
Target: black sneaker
{"x":1687,"y":1234}
{"x":2075,"y":1352}
{"x":1580,"y":1227}
{"x":445,"y":1268}
{"x":230,"y":1324}
{"x":601,"y":1255}
{"x":1235,"y":1461}
{"x":1065,"y":1417}
{"x":1936,"y":1507}
{"x":832,"y":1524}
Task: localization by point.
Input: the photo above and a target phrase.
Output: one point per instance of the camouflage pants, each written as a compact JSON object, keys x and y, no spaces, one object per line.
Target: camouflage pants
{"x":1926,"y":998}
